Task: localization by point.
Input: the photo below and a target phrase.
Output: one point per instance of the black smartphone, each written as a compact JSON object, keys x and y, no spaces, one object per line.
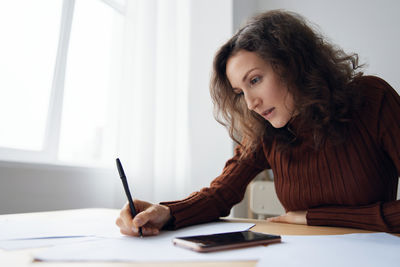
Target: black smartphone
{"x":223,"y":241}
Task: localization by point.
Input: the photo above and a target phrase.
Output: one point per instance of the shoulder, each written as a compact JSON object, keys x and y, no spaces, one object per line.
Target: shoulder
{"x":379,"y":100}
{"x":372,"y":87}
{"x":374,"y":92}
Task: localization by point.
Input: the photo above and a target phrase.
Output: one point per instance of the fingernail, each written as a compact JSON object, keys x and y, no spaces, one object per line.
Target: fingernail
{"x":135,"y":230}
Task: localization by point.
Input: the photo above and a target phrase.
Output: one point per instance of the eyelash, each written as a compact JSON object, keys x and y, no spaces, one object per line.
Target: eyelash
{"x":255,"y":80}
{"x":239,"y":93}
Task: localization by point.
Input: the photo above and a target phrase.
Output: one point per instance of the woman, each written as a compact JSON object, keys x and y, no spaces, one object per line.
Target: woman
{"x":300,"y":106}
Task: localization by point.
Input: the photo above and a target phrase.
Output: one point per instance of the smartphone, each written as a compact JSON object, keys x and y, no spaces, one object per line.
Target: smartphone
{"x":223,"y":241}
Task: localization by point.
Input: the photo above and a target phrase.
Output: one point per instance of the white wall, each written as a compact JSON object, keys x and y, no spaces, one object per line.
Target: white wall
{"x":368,"y":27}
{"x":211,"y":26}
{"x":242,"y":9}
{"x":27,"y":187}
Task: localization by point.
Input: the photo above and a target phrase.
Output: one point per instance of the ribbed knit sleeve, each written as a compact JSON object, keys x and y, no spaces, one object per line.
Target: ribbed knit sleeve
{"x":379,"y":216}
{"x":226,"y":190}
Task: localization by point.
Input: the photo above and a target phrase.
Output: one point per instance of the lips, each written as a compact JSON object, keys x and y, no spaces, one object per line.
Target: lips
{"x":267,"y":113}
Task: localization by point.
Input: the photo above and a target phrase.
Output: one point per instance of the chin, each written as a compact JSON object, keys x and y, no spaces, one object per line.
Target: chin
{"x":278,"y":124}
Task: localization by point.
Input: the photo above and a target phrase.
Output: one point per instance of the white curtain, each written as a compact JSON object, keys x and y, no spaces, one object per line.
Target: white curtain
{"x":152,"y":109}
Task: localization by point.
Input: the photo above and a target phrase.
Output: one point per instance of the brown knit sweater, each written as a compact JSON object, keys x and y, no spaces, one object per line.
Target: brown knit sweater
{"x":353,"y":184}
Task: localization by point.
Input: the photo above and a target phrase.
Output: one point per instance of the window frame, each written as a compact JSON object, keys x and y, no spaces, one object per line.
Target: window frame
{"x":51,"y":138}
{"x":49,"y":149}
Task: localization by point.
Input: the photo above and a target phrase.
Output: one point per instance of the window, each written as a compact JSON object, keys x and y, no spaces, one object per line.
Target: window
{"x":56,"y":86}
{"x":28,"y":49}
{"x":86,"y":128}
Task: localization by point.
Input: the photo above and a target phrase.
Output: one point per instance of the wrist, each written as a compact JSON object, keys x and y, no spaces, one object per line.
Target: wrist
{"x":169,"y":219}
{"x":167,"y":212}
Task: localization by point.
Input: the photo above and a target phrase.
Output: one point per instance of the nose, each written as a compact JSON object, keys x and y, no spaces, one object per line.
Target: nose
{"x":252,"y":101}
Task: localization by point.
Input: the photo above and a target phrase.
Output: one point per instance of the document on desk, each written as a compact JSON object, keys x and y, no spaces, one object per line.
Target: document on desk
{"x":155,"y":248}
{"x":41,"y":231}
{"x":91,"y":223}
{"x":367,"y":250}
{"x":40,"y":242}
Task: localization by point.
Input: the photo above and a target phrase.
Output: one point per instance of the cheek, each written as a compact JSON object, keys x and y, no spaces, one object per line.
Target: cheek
{"x":285,"y":99}
{"x":274,"y":90}
{"x":271,"y":94}
{"x":289,"y":103}
{"x":275,"y":95}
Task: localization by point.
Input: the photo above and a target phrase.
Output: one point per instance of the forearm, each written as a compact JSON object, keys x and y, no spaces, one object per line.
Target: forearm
{"x":215,"y":201}
{"x":379,"y":216}
{"x":198,"y":208}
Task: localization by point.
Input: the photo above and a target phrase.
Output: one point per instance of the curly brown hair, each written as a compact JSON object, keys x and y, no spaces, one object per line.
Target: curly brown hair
{"x":316,"y":73}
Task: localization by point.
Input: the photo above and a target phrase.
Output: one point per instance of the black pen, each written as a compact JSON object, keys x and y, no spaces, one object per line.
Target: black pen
{"x":127,"y":192}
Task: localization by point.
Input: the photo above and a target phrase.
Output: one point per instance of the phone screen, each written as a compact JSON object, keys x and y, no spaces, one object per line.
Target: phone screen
{"x":225,"y":240}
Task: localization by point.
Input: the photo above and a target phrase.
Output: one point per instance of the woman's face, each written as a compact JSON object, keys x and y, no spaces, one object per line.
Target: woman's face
{"x":262,"y":89}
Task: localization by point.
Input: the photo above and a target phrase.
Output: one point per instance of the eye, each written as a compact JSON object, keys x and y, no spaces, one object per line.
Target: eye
{"x":238,"y":92}
{"x":255,"y":80}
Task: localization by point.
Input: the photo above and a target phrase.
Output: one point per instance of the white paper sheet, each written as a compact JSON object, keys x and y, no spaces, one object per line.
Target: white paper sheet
{"x":40,"y":242}
{"x":91,"y":223}
{"x":157,"y":248}
{"x":367,"y":250}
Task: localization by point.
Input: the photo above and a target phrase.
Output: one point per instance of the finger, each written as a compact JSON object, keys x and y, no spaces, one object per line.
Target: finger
{"x":140,"y":205}
{"x":120,"y":223}
{"x":149,"y":231}
{"x":142,"y":218}
{"x":128,"y":232}
{"x":126,"y":216}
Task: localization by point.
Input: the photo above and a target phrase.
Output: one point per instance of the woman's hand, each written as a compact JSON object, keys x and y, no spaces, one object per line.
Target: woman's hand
{"x":295,"y":217}
{"x":151,"y":217}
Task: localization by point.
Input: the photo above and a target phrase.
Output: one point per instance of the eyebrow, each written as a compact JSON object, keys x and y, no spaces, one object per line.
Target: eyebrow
{"x":247,"y":73}
{"x":245,"y":76}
